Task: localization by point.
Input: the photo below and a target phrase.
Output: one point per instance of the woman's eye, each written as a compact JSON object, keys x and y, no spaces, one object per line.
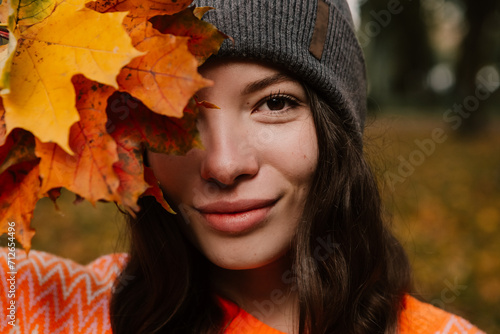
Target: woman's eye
{"x":277,"y":103}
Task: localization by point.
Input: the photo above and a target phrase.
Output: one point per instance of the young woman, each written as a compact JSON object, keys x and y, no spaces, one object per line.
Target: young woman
{"x":279,"y":226}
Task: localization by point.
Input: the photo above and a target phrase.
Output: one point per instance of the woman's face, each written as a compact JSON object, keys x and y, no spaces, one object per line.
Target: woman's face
{"x":242,"y":195}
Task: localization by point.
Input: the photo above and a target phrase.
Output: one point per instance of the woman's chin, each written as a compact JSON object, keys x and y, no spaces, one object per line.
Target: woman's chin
{"x":248,"y":261}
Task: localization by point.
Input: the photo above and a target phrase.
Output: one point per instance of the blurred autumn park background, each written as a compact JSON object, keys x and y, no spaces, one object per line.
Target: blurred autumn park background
{"x":433,"y":136}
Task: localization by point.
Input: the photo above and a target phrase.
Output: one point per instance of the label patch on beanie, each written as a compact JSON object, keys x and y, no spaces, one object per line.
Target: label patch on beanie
{"x":320,"y":29}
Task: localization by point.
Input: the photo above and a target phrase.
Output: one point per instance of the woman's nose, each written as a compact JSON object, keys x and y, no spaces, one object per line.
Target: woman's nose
{"x":229,"y":154}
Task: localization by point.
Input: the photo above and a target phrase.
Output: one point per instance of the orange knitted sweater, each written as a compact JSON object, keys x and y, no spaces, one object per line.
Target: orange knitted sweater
{"x":55,"y":295}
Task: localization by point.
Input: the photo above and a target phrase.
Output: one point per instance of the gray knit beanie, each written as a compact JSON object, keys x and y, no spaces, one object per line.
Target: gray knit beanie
{"x":313,"y":39}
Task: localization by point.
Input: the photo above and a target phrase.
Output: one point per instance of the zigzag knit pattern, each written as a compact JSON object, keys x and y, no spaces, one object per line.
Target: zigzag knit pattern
{"x":55,"y":295}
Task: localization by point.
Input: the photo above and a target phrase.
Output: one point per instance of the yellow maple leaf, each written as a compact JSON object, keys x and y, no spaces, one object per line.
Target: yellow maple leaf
{"x":28,"y":12}
{"x":71,"y":40}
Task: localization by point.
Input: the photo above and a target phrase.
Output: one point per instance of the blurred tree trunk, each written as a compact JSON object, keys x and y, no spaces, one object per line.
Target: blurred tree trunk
{"x":399,"y":54}
{"x":476,"y":51}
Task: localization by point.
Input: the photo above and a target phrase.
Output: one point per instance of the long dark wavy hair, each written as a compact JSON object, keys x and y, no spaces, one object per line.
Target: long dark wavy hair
{"x":356,"y":287}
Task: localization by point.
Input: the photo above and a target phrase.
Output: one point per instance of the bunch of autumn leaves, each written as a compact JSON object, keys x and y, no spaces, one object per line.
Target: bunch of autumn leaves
{"x":85,"y":89}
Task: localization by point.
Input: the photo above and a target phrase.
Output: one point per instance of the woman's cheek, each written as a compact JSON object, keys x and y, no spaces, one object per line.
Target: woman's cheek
{"x":296,"y":152}
{"x":173,"y":173}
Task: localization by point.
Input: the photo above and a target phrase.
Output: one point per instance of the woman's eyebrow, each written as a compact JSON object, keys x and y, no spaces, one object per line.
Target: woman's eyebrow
{"x":263,"y":83}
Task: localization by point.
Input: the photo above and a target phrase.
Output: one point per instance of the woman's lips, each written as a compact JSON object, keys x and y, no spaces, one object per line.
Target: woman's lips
{"x":236,"y":217}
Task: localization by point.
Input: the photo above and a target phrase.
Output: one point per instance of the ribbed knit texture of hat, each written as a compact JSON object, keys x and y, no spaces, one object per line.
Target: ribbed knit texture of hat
{"x":280,"y":32}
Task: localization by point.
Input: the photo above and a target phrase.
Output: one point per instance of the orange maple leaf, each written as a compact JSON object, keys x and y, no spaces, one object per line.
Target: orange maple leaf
{"x":19,"y":181}
{"x":20,"y":192}
{"x":154,"y":189}
{"x":19,"y":146}
{"x":16,"y":147}
{"x":89,"y":172}
{"x":135,"y":128}
{"x":3,"y":128}
{"x":130,"y":169}
{"x":204,"y":38}
{"x":165,"y":78}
